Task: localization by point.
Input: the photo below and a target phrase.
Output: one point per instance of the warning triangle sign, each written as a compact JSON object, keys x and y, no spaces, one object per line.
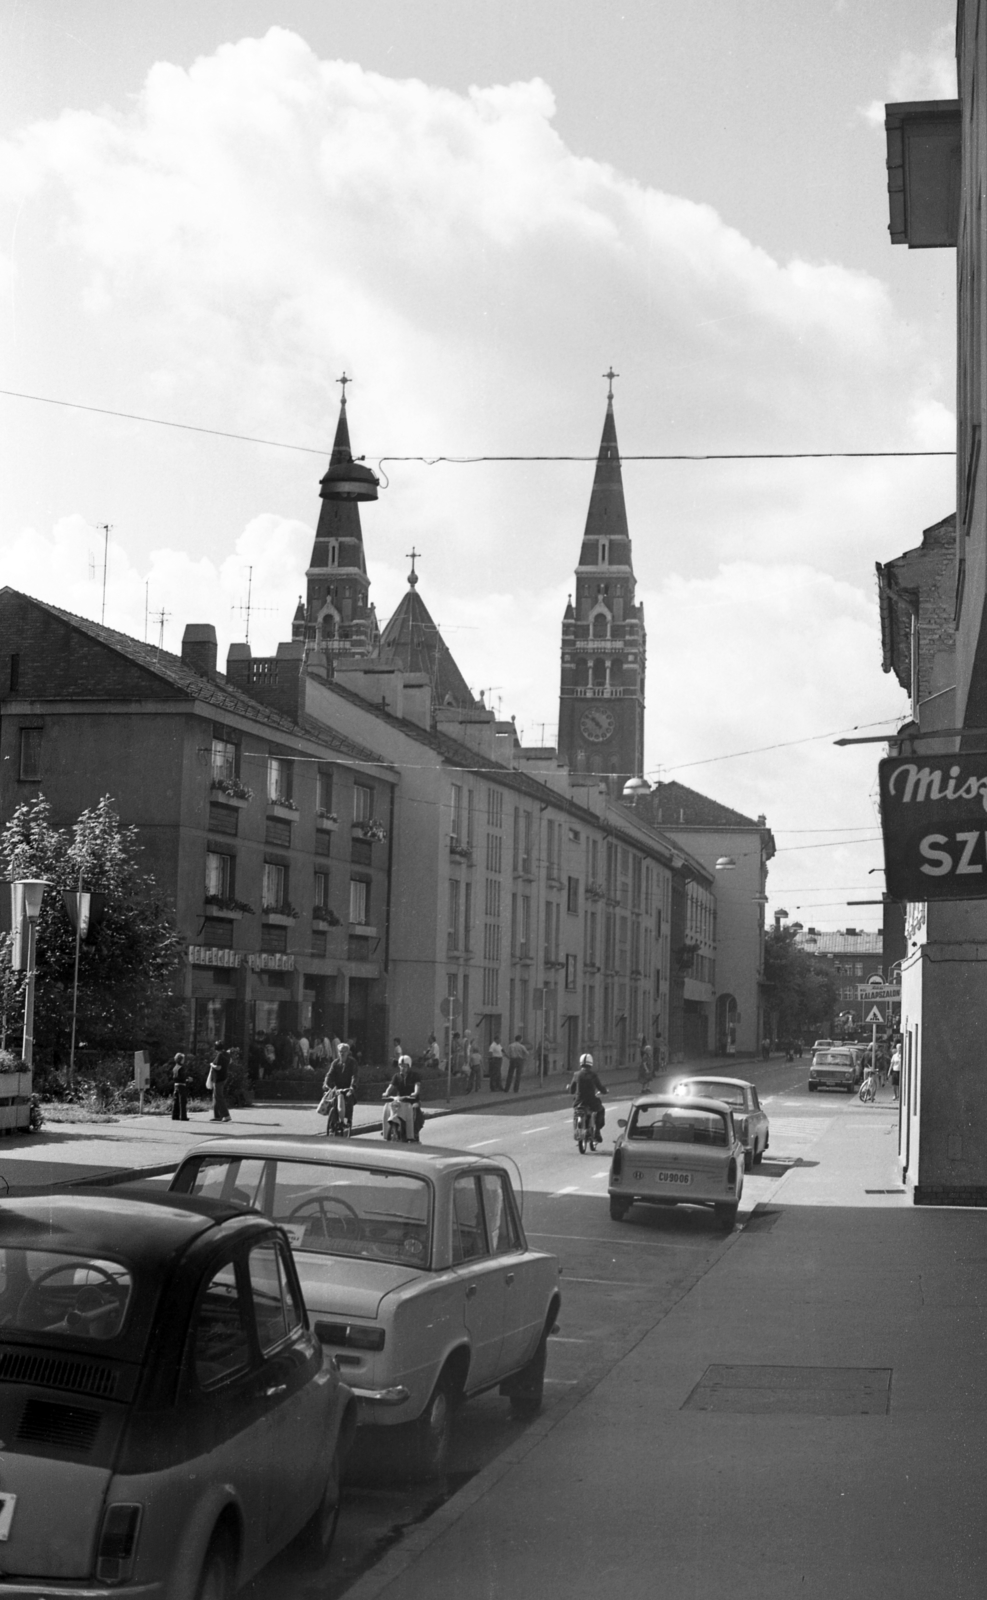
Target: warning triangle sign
{"x":874,"y":1015}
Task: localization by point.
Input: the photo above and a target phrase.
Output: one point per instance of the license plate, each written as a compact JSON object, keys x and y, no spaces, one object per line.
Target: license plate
{"x":675,"y":1177}
{"x":7,"y":1504}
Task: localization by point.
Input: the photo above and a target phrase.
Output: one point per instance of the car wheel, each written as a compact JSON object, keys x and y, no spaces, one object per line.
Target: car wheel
{"x":531,"y":1383}
{"x":813,"y":1087}
{"x":619,"y":1208}
{"x":726,"y":1215}
{"x":432,"y":1433}
{"x":317,"y":1536}
{"x":216,"y":1577}
{"x":758,"y":1155}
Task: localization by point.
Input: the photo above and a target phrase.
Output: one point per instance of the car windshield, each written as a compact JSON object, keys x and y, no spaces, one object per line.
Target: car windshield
{"x":731,"y":1094}
{"x":48,"y":1291}
{"x":834,"y":1058}
{"x":334,"y":1210}
{"x":678,"y":1125}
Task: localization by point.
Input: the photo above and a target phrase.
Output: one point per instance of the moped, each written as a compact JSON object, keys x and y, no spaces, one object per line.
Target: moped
{"x":399,"y":1119}
{"x":338,"y":1124}
{"x":585,"y":1129}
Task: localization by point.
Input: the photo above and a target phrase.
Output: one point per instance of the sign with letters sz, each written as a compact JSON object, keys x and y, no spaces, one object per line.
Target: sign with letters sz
{"x":934,"y":821}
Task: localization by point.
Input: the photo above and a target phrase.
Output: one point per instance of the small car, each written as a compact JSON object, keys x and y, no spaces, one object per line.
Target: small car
{"x":416,"y":1269}
{"x":677,"y":1151}
{"x":750,"y":1120}
{"x":169,"y":1420}
{"x":822,"y":1044}
{"x":838,"y":1068}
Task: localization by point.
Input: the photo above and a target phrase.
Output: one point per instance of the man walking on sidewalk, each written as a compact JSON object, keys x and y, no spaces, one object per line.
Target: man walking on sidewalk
{"x":495,"y":1057}
{"x":517,"y":1055}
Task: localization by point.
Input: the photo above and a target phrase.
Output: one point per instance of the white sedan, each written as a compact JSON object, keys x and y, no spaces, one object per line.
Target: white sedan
{"x":677,"y":1151}
{"x":414,"y":1267}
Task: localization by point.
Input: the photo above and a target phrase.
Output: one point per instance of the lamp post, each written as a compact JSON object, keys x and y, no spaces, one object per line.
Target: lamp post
{"x":27,"y":894}
{"x":77,"y":905}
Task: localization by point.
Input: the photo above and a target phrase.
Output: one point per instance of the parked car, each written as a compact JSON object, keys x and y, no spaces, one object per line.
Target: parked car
{"x":415,"y":1267}
{"x":677,"y":1151}
{"x":170,"y":1422}
{"x":838,"y":1068}
{"x":823,"y":1044}
{"x":750,"y":1120}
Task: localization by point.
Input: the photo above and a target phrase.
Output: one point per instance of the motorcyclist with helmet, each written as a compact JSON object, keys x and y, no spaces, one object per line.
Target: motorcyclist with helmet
{"x":586,"y":1090}
{"x":403,"y":1095}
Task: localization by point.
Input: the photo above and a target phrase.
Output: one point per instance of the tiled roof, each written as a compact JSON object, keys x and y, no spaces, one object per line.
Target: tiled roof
{"x":675,"y":805}
{"x":840,"y":944}
{"x":220,"y":694}
{"x":411,"y":642}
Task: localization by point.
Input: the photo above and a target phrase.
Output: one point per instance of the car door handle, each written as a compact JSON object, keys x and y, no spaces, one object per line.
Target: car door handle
{"x":509,"y":1278}
{"x":276,"y":1388}
{"x":471,"y":1291}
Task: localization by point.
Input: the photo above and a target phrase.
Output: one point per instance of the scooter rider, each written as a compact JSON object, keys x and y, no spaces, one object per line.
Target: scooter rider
{"x":404,"y":1094}
{"x":342,"y":1075}
{"x":586,"y":1090}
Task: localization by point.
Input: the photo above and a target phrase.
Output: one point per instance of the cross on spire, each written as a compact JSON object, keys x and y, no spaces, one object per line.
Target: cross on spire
{"x":413,"y":556}
{"x":344,"y":380}
{"x":610,"y":375}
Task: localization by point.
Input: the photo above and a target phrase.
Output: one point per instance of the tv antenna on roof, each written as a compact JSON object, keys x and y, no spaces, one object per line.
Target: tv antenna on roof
{"x":161,"y":617}
{"x":246,"y":609}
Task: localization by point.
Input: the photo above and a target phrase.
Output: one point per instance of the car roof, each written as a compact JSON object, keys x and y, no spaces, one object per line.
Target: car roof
{"x":146,"y":1227}
{"x":417,"y":1160}
{"x":677,"y":1101}
{"x":714,"y":1077}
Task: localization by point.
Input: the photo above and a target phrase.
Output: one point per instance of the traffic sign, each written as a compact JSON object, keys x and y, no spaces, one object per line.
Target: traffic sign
{"x":450,"y":1008}
{"x":874,"y":1015}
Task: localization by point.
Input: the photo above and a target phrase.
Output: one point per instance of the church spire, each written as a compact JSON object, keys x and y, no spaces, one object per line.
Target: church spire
{"x":607,"y":515}
{"x":338,"y":613}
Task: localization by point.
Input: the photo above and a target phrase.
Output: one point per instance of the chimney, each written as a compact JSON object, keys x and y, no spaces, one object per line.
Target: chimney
{"x":199,"y":648}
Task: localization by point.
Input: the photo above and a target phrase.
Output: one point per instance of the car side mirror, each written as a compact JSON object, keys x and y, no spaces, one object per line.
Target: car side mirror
{"x":622,"y":1122}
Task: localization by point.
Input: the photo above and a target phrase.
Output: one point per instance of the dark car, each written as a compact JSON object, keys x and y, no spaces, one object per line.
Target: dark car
{"x":167,"y":1421}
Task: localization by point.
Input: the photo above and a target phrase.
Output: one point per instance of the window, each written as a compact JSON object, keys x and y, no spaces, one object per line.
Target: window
{"x":491,"y":941}
{"x":491,"y":988}
{"x":278,"y":778}
{"x":526,"y":841}
{"x":324,"y":797}
{"x":524,"y":927}
{"x":361,"y":853}
{"x":468,"y":1238}
{"x":453,"y":933}
{"x":223,"y":819}
{"x":363,"y":802}
{"x":219,"y":874}
{"x":570,"y":972}
{"x":493,"y":852}
{"x":359,"y":901}
{"x":30,"y":761}
{"x":277,"y":830}
{"x":502,"y":1229}
{"x":456,"y":823}
{"x":15,"y":672}
{"x":273,"y":939}
{"x":220,"y":1343}
{"x":572,"y":897}
{"x":320,"y":891}
{"x":469,"y":816}
{"x":495,"y":808}
{"x":318,"y":944}
{"x":492,"y":901}
{"x":276,"y":1311}
{"x":274,"y":887}
{"x":223,"y":759}
{"x":467,"y":917}
{"x":217,"y":932}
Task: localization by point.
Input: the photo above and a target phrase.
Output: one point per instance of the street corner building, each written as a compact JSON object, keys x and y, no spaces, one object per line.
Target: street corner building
{"x":933,"y":613}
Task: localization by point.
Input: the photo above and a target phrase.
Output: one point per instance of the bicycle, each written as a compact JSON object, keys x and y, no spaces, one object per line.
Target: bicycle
{"x":868,"y":1089}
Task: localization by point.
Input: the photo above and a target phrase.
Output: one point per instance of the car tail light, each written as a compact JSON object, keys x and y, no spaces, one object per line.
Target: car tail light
{"x":350,"y":1335}
{"x":617,"y":1164}
{"x":117,"y":1547}
{"x":732,"y":1172}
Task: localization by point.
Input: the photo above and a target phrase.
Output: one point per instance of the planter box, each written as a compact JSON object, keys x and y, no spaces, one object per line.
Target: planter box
{"x":325,"y":826}
{"x":15,"y":1085}
{"x":286,"y":813}
{"x":218,"y":911}
{"x":225,"y":799}
{"x":279,"y":919}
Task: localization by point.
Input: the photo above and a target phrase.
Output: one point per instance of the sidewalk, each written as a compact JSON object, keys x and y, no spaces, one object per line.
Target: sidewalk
{"x":809,"y":1420}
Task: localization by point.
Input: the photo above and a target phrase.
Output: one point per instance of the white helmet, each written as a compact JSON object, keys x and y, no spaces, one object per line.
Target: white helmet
{"x":586,"y":1060}
{"x":404,"y":1061}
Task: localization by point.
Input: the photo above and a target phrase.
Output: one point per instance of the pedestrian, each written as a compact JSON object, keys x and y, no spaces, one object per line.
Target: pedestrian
{"x":432,"y":1053}
{"x":397,"y":1051}
{"x":517,"y":1055}
{"x":219,"y":1071}
{"x":302,"y":1048}
{"x":495,"y":1059}
{"x":456,"y":1056}
{"x":895,"y":1071}
{"x":474,"y":1065}
{"x":647,"y":1067}
{"x":179,"y":1090}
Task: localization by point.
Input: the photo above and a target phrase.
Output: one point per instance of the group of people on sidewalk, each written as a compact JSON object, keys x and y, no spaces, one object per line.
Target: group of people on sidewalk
{"x":216,"y":1081}
{"x":515,"y":1055}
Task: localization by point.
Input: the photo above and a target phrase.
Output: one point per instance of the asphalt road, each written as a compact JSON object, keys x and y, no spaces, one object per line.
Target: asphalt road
{"x":619,"y":1280}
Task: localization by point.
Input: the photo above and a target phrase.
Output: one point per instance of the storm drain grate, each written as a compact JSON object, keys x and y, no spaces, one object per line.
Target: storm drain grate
{"x":806,"y":1391}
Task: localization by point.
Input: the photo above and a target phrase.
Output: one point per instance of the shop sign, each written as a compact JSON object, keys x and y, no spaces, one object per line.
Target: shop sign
{"x":201,"y":955}
{"x":878,"y":991}
{"x":934,"y":821}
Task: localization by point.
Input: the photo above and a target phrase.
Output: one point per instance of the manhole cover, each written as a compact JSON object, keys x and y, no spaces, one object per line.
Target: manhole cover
{"x":807,"y":1391}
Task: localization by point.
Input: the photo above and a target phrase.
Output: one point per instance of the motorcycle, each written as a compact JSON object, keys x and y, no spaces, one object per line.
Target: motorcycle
{"x":338,"y":1125}
{"x":585,"y":1128}
{"x":399,"y":1119}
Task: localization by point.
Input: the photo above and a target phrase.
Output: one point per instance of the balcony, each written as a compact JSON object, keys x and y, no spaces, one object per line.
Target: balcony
{"x":460,"y":851}
{"x":369,"y":829}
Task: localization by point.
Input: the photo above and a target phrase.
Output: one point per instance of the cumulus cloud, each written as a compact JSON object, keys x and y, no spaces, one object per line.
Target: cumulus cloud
{"x":928,"y":74}
{"x":251,"y":225}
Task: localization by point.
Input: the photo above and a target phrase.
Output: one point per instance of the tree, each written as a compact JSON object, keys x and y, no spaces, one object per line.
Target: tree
{"x":131,"y":961}
{"x":800,"y":990}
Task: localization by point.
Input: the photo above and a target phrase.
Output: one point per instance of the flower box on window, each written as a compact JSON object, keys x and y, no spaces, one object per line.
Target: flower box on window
{"x":462,"y":851}
{"x":233,"y":791}
{"x":327,"y":820}
{"x":326,"y":915}
{"x":280,"y":916}
{"x":286,"y":809}
{"x":222,"y":905}
{"x":371,"y":829}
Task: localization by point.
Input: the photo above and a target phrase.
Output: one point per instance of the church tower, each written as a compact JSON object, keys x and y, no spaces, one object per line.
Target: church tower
{"x":338,"y":618}
{"x":601,"y":702}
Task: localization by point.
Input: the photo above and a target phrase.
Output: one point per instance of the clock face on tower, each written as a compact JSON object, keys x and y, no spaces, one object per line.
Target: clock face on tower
{"x":597,"y":725}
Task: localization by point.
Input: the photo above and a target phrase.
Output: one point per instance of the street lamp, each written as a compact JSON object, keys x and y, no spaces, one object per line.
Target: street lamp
{"x":26,"y":897}
{"x":77,"y":905}
{"x":725,"y":863}
{"x":635,"y":787}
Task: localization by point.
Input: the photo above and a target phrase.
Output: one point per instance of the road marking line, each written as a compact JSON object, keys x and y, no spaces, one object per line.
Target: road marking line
{"x":481,"y":1142}
{"x":601,"y":1238}
{"x":558,"y":1338}
{"x":573,"y":1188}
{"x":619,"y":1283}
{"x":543,"y":1127}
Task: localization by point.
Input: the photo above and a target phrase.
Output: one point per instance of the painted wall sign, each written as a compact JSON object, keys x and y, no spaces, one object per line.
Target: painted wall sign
{"x":934,"y":821}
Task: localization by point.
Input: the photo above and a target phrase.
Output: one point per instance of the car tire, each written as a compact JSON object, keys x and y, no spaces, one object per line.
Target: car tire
{"x":758,"y":1155}
{"x":216,"y":1579}
{"x":619,"y":1208}
{"x":532,"y":1378}
{"x":316,"y":1538}
{"x":432,"y":1432}
{"x":726,"y":1215}
{"x":813,"y":1087}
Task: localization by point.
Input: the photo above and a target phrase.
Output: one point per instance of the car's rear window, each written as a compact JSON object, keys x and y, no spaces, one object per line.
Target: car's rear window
{"x":48,"y":1291}
{"x":730,"y":1093}
{"x":334,"y":1210}
{"x":834,"y":1058}
{"x":678,"y":1125}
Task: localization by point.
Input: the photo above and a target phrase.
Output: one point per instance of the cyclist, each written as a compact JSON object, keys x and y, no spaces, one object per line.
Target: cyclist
{"x":586,"y":1090}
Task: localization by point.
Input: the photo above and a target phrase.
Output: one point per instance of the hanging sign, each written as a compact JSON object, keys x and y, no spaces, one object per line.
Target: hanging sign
{"x":934,"y":822}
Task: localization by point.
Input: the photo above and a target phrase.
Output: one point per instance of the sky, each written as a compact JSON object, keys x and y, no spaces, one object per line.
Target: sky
{"x":210,"y":210}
